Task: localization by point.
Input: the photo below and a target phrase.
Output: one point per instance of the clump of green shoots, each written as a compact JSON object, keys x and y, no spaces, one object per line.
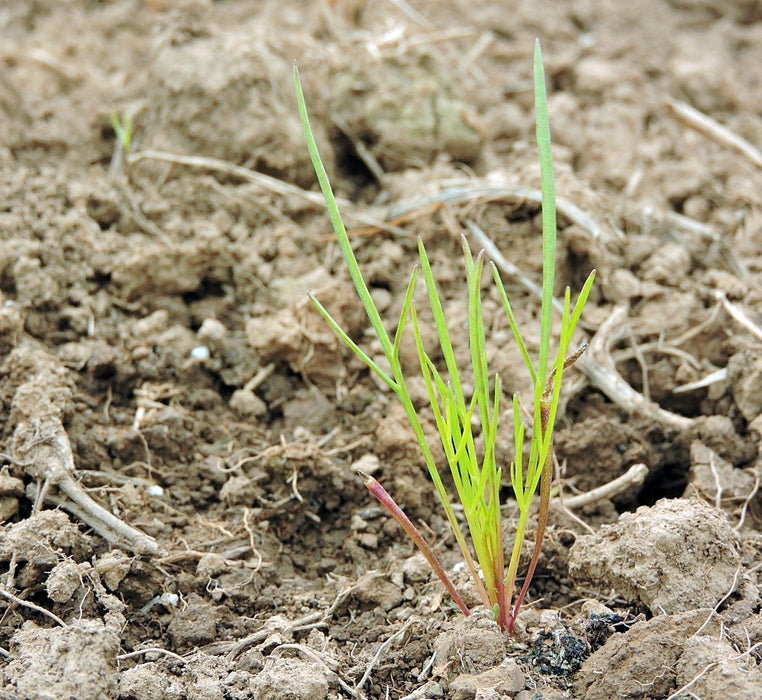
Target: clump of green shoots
{"x":475,"y":473}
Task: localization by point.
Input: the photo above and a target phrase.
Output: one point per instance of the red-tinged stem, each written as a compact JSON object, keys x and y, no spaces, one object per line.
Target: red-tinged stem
{"x":397,"y":513}
{"x":502,"y":605}
{"x":546,"y":480}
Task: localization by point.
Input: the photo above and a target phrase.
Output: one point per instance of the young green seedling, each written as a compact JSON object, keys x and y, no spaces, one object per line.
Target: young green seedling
{"x":123,"y":130}
{"x":458,"y":417}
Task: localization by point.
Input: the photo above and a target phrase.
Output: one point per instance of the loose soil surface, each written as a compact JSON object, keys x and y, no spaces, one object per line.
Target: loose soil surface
{"x":181,"y":516}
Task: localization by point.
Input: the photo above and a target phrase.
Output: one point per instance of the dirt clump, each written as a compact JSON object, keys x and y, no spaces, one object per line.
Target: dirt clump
{"x":73,"y":662}
{"x":659,"y":656}
{"x":676,"y":556}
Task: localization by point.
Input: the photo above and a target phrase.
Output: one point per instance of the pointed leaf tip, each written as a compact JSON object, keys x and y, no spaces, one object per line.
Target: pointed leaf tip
{"x":367,"y":478}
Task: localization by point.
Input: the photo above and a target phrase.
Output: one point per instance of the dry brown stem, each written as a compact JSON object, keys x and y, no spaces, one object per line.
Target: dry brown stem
{"x":634,"y":476}
{"x":32,"y":606}
{"x":44,"y":445}
{"x":271,"y":184}
{"x":470,"y":190}
{"x":598,"y":366}
{"x":714,"y":130}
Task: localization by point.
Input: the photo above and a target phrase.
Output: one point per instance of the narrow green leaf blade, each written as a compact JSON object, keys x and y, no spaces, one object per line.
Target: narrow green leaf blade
{"x":542,"y":124}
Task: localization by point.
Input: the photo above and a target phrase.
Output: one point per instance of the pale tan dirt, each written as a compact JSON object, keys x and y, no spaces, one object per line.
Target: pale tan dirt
{"x":156,"y":312}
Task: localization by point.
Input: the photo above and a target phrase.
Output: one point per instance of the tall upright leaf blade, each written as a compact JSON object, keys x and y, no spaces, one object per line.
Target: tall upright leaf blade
{"x":548,"y":187}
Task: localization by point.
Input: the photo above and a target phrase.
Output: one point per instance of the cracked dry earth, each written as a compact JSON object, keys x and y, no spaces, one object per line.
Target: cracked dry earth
{"x":180,"y":515}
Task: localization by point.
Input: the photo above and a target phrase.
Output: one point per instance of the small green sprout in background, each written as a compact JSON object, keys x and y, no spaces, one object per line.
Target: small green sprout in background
{"x":123,"y":129}
{"x":476,"y":475}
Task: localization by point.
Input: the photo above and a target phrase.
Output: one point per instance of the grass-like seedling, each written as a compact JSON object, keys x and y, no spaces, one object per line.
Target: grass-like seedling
{"x":459,"y":417}
{"x":123,"y":130}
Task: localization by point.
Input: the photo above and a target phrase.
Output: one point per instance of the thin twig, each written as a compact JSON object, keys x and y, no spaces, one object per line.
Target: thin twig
{"x":139,"y":218}
{"x":259,"y":377}
{"x":469,"y":61}
{"x":404,"y":219}
{"x":746,"y":503}
{"x":152,"y":650}
{"x":699,"y":328}
{"x":52,"y":463}
{"x":331,"y":665}
{"x":714,"y":130}
{"x":427,"y":668}
{"x":267,"y":182}
{"x":471,"y":190}
{"x":105,"y":523}
{"x":717,"y":482}
{"x":382,"y":650}
{"x":255,"y":551}
{"x":637,"y":352}
{"x":740,"y":316}
{"x":684,"y":223}
{"x":26,"y":604}
{"x":560,"y":499}
{"x":719,"y":375}
{"x":412,"y":13}
{"x":15,"y":462}
{"x":233,"y":649}
{"x":421,"y":693}
{"x":634,"y":476}
{"x":362,"y":151}
{"x":709,"y":667}
{"x":719,"y":603}
{"x":598,"y":366}
{"x":657,"y":346}
{"x":505,"y":266}
{"x":437,"y":37}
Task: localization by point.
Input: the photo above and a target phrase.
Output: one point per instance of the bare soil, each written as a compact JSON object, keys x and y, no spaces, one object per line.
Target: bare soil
{"x":180,"y":513}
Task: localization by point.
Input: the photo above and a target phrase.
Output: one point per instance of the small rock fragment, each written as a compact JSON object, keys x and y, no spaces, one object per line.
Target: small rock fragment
{"x":63,"y":581}
{"x":709,"y":472}
{"x":715,"y":669}
{"x":10,"y":489}
{"x":195,"y":625}
{"x":291,"y":679}
{"x":212,"y":332}
{"x":38,"y":542}
{"x":211,"y":565}
{"x":238,"y":490}
{"x":416,"y":568}
{"x":113,"y":567}
{"x":747,"y":390}
{"x":641,"y":664}
{"x":475,"y":644}
{"x":247,"y":404}
{"x":376,"y":590}
{"x":501,"y":681}
{"x":368,"y":463}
